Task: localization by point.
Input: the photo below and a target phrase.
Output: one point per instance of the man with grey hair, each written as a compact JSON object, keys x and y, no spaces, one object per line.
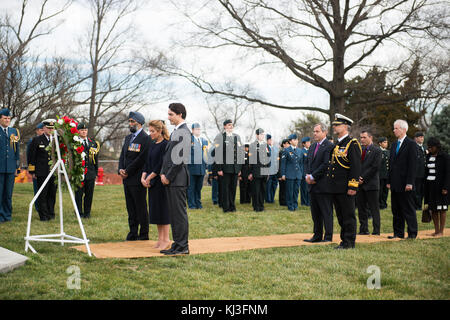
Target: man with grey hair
{"x":401,"y":179}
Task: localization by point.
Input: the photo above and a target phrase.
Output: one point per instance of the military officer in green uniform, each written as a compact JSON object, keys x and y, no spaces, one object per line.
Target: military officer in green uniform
{"x":343,"y":174}
{"x":91,"y":148}
{"x":9,"y":163}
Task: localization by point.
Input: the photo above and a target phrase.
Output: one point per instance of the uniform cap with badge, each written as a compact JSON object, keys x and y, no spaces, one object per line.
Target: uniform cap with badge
{"x":82,"y":126}
{"x":341,"y":119}
{"x":5,"y":112}
{"x":306,"y":139}
{"x":292,"y":136}
{"x":49,"y":123}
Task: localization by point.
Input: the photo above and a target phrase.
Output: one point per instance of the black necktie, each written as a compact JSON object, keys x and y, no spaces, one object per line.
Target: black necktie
{"x":6,"y":132}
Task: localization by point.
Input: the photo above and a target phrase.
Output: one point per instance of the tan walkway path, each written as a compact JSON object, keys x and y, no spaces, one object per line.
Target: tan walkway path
{"x":143,"y":249}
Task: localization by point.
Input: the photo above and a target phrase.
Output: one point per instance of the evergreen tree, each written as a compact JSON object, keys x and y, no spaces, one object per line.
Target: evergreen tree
{"x":440,"y":128}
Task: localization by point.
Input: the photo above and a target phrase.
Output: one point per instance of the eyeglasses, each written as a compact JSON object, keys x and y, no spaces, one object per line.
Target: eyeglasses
{"x":131,"y":121}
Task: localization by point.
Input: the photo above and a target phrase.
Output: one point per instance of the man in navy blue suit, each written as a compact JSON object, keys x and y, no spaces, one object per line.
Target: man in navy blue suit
{"x":292,"y":171}
{"x":9,"y":163}
{"x":197,"y":168}
{"x":401,"y":179}
{"x":316,"y":167}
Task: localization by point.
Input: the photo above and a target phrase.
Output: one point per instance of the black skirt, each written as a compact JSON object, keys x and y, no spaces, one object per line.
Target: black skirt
{"x":157,"y":203}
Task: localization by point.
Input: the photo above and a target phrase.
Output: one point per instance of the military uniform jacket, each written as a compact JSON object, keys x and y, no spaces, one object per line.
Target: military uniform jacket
{"x":305,"y":159}
{"x":421,"y":162}
{"x":133,"y":157}
{"x":229,"y":145}
{"x":91,"y":160}
{"x":245,"y":169}
{"x":197,"y":166}
{"x":39,"y":156}
{"x":257,"y":169}
{"x":384,"y":164}
{"x":292,"y":163}
{"x":9,"y":151}
{"x":344,"y":169}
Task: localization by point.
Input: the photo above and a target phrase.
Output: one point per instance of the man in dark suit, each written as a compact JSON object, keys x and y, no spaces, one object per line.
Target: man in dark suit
{"x":9,"y":163}
{"x":343,"y":175}
{"x":316,"y":167}
{"x":197,"y":168}
{"x":91,"y":148}
{"x":259,"y":170}
{"x":369,"y":185}
{"x":402,"y":176}
{"x":39,"y":169}
{"x":131,"y":165}
{"x":229,"y":159}
{"x":384,"y":171}
{"x":175,"y":176}
{"x":420,"y":172}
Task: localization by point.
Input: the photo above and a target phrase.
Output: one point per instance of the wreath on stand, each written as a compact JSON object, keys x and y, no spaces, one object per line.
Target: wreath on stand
{"x":72,"y":151}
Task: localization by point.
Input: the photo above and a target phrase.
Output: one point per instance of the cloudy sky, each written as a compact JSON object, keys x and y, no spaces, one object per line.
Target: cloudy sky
{"x":158,"y":23}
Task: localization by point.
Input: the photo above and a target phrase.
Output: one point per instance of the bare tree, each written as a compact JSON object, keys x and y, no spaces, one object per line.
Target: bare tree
{"x":15,"y":38}
{"x":118,"y":79}
{"x":318,"y":41}
{"x":32,"y":87}
{"x":245,"y":116}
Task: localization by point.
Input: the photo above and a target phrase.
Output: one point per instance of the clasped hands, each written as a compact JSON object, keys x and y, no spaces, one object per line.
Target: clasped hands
{"x":309,"y":179}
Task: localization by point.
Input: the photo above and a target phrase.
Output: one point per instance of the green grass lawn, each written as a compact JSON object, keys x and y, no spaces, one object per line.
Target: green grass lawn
{"x":416,"y":269}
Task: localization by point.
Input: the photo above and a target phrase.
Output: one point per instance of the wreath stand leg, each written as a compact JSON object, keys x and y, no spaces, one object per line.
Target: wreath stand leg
{"x":61,"y":237}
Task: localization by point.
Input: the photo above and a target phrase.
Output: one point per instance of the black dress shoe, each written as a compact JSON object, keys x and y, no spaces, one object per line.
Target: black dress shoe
{"x":176,"y":252}
{"x":143,"y":237}
{"x":131,"y":237}
{"x":313,"y":240}
{"x":375,"y":233}
{"x":324,"y":240}
{"x":365,"y":233}
{"x":395,"y":237}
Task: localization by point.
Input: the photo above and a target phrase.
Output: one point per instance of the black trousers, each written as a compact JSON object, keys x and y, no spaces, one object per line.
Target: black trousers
{"x":383,"y":195}
{"x":244,"y":191}
{"x":258,"y":186}
{"x":368,"y":201}
{"x":178,"y":217}
{"x":322,"y":215}
{"x":47,"y":198}
{"x":419,"y":193}
{"x":136,"y":201}
{"x":220,"y":192}
{"x":229,"y":184}
{"x":88,"y":192}
{"x":345,"y":213}
{"x":282,"y":193}
{"x":404,"y":209}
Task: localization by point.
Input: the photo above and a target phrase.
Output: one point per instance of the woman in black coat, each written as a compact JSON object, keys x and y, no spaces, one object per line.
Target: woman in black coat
{"x":437,"y":180}
{"x":157,"y":200}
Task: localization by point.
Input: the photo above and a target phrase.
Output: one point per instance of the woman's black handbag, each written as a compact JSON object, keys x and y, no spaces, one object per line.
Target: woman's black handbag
{"x":426,"y":216}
